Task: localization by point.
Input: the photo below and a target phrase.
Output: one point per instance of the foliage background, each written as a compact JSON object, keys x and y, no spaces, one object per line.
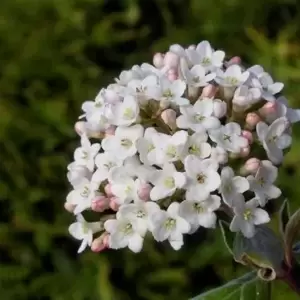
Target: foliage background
{"x":54,"y":54}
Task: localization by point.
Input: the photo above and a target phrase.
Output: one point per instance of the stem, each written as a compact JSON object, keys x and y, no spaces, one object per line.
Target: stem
{"x":292,"y":279}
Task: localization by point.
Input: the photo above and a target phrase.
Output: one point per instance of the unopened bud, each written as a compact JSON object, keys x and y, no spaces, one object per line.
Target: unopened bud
{"x":108,"y":190}
{"x":251,"y":120}
{"x":220,"y":155}
{"x":172,"y":74}
{"x":100,"y":203}
{"x":245,"y":151}
{"x":209,"y":91}
{"x":110,"y":131}
{"x":251,"y":166}
{"x":80,"y":127}
{"x":144,"y":191}
{"x":236,"y":60}
{"x":269,"y":108}
{"x":169,"y":117}
{"x":220,"y":108}
{"x":69,"y":207}
{"x":171,"y":60}
{"x":113,"y":204}
{"x":248,"y":135}
{"x":101,"y":243}
{"x":158,"y":60}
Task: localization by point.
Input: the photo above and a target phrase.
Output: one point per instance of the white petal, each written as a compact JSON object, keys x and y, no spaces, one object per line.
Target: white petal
{"x":173,"y":209}
{"x":82,"y":246}
{"x":207,"y":220}
{"x":111,"y":225}
{"x":213,"y":181}
{"x":187,"y":211}
{"x":205,"y":150}
{"x":247,"y":229}
{"x":261,"y":129}
{"x":192,"y":165}
{"x":76,"y":231}
{"x":260,"y":216}
{"x":180,"y":179}
{"x":176,"y":243}
{"x":227,"y":174}
{"x":284,"y":141}
{"x":178,"y":87}
{"x":211,"y":123}
{"x":182,"y":225}
{"x":160,"y":192}
{"x":232,"y":128}
{"x":275,"y":87}
{"x":135,"y":243}
{"x":218,"y":57}
{"x":183,"y":122}
{"x":235,"y":224}
{"x":273,"y":192}
{"x":241,"y":184}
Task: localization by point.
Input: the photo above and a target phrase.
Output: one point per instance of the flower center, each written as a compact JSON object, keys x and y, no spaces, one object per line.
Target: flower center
{"x":150,"y":148}
{"x":141,"y":214}
{"x":171,"y":151}
{"x":109,"y":165}
{"x":201,"y":178}
{"x":168,"y":94}
{"x":205,"y":61}
{"x":272,"y":139}
{"x":85,"y":228}
{"x":261,"y":181}
{"x":127,"y":229}
{"x":170,"y":223}
{"x":128,"y":189}
{"x":85,"y":192}
{"x":199,"y":118}
{"x":247,"y":214}
{"x":193,"y":149}
{"x":128,"y":113}
{"x":228,"y":187}
{"x":196,"y":79}
{"x":127,"y":143}
{"x":227,"y":137}
{"x":169,"y":182}
{"x":98,"y":104}
{"x":198,"y":208}
{"x":84,"y":154}
{"x":231,"y":80}
{"x":141,"y":89}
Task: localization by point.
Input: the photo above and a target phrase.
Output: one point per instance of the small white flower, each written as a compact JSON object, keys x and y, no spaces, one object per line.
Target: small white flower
{"x":232,"y":77}
{"x":82,"y":195}
{"x":82,"y":230}
{"x":165,"y":182}
{"x":84,"y":155}
{"x":219,"y":154}
{"x":206,"y":56}
{"x":198,"y":146}
{"x":220,"y":108}
{"x":231,"y":185}
{"x":77,"y":173}
{"x":139,"y":212}
{"x":105,"y":162}
{"x":125,"y":113}
{"x":262,"y":80}
{"x":199,"y":209}
{"x":202,"y":174}
{"x":245,"y":96}
{"x":96,"y":107}
{"x":262,"y":183}
{"x":171,"y":92}
{"x":123,"y":233}
{"x":198,"y":117}
{"x":274,"y":139}
{"x":247,"y":215}
{"x":129,"y":75}
{"x":229,"y":137}
{"x":168,"y":225}
{"x":196,"y":76}
{"x":123,"y":143}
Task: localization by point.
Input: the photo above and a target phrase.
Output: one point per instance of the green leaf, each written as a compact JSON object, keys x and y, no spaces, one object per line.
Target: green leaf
{"x":247,"y":287}
{"x":228,"y":236}
{"x":290,"y":235}
{"x":263,"y":252}
{"x":284,"y":216}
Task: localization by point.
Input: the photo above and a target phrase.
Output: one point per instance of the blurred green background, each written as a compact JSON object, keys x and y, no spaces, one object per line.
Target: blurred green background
{"x":55,"y":54}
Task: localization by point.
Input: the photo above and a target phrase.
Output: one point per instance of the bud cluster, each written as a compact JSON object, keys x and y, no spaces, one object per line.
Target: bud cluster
{"x":168,"y":146}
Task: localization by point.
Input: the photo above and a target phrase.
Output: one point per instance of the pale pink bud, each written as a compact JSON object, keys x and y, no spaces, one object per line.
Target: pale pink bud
{"x":248,"y":135}
{"x":69,"y":207}
{"x":80,"y":127}
{"x":172,"y":74}
{"x":245,"y":152}
{"x":113,"y":204}
{"x":252,"y":165}
{"x":111,"y":96}
{"x":108,"y":190}
{"x":158,"y":60}
{"x":209,"y":91}
{"x":101,"y":243}
{"x":144,"y":191}
{"x":236,"y":60}
{"x":220,"y":108}
{"x":100,"y":203}
{"x":169,"y":117}
{"x":268,"y":109}
{"x":110,"y":131}
{"x":171,"y":60}
{"x":252,"y":119}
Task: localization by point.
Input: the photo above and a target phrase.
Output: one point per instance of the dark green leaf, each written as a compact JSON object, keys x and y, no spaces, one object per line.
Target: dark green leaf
{"x":284,"y":215}
{"x":228,"y":236}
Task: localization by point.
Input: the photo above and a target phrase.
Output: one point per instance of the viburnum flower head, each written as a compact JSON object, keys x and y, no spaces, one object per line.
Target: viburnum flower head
{"x":167,"y":146}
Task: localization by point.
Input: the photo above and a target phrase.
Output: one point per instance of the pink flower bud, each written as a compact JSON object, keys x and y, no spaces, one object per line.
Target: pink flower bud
{"x":236,"y":60}
{"x":169,"y":117}
{"x":220,"y":108}
{"x":110,"y":131}
{"x":80,"y":127}
{"x":100,"y":203}
{"x":69,"y":207}
{"x":252,"y":165}
{"x":108,"y":190}
{"x":248,"y":135}
{"x":144,"y":191}
{"x":158,"y":60}
{"x":101,"y":243}
{"x":245,"y":152}
{"x":252,"y":119}
{"x":171,"y":60}
{"x":269,"y":108}
{"x":113,"y":204}
{"x":209,"y":91}
{"x":172,"y":74}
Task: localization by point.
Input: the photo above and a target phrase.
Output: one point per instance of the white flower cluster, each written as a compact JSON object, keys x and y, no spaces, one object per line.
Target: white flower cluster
{"x":173,"y":146}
